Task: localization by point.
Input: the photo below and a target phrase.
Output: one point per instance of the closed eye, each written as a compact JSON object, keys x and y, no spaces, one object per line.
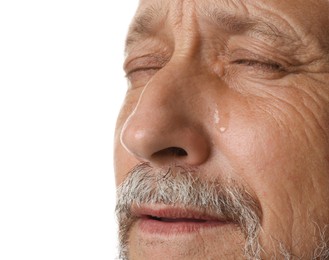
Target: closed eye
{"x":271,"y":66}
{"x":142,"y":69}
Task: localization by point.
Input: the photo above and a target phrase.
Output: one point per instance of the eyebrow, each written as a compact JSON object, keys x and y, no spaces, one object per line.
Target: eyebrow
{"x":237,"y":24}
{"x":143,"y":24}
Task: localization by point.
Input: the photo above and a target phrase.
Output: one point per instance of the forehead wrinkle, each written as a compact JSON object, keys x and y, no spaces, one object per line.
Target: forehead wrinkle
{"x":144,"y":23}
{"x":238,"y":24}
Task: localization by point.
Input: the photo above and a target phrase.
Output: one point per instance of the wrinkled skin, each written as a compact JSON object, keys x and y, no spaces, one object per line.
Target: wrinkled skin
{"x":243,"y":104}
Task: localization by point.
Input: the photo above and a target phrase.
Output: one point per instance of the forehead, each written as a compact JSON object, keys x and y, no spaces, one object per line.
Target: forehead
{"x":294,"y":7}
{"x":301,"y":17}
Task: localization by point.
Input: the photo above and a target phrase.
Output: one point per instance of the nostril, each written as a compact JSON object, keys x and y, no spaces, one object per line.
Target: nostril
{"x":171,"y":151}
{"x":178,"y":151}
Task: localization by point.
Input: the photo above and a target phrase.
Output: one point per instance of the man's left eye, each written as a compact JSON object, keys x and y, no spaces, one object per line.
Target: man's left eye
{"x":267,"y":66}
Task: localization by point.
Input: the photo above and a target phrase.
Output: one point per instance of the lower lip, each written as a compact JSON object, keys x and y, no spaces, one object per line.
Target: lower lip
{"x":156,"y":227}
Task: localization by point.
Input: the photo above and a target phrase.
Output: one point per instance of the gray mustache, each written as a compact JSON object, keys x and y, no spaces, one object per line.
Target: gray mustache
{"x":184,"y":188}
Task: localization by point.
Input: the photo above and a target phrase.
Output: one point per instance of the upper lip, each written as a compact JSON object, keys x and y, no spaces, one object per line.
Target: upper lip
{"x":174,"y":213}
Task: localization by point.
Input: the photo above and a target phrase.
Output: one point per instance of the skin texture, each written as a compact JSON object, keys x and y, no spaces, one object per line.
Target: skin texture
{"x":247,"y":101}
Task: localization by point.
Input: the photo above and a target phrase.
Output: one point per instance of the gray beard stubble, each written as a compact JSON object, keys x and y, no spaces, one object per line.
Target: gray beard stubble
{"x":178,"y":186}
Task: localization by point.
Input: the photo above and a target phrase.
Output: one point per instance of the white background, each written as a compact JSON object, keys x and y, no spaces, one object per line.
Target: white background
{"x":61,"y":86}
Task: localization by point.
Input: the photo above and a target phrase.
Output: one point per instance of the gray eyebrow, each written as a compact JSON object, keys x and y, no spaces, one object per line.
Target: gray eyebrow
{"x":143,"y":24}
{"x":230,"y":22}
{"x":237,"y":24}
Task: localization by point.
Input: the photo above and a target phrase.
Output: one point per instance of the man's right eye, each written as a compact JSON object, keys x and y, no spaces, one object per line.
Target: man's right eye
{"x":139,"y":77}
{"x":141,"y":69}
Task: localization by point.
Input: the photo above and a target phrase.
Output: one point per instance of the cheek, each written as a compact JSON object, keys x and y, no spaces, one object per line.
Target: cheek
{"x":281,"y":158}
{"x":272,"y":156}
{"x":273,"y":139}
{"x":259,"y":153}
{"x":254,"y":147}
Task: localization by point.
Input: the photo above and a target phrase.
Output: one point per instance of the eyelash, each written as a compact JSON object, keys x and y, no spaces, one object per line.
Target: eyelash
{"x":141,"y":69}
{"x":270,"y":66}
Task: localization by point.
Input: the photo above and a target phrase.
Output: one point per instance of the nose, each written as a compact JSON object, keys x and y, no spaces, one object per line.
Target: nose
{"x":166,"y":125}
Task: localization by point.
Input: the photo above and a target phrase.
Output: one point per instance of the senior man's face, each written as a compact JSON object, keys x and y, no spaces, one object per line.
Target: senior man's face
{"x":222,"y":143}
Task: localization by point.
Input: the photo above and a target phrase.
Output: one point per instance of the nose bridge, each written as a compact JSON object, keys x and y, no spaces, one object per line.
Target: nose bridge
{"x":168,"y":99}
{"x":166,"y":117}
{"x":172,"y":90}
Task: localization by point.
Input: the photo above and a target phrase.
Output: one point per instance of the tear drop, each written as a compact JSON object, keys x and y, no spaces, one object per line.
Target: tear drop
{"x":222,"y":129}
